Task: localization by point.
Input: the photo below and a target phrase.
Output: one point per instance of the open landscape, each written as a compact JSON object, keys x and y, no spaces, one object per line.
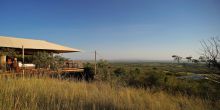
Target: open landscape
{"x":110,"y":55}
{"x":146,"y":85}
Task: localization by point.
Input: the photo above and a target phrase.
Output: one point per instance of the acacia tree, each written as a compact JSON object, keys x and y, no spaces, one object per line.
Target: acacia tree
{"x":195,"y":61}
{"x":202,"y":59}
{"x":189,"y":59}
{"x":210,"y":51}
{"x":177,"y":58}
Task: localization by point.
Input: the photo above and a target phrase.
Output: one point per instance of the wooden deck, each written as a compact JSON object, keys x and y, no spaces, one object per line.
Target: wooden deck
{"x":39,"y":72}
{"x":72,"y":70}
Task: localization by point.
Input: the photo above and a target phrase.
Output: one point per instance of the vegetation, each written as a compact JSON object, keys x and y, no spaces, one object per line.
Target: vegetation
{"x":9,"y":52}
{"x":41,"y":59}
{"x":89,"y":72}
{"x":211,"y":51}
{"x":46,"y":60}
{"x":167,"y":77}
{"x":53,"y":94}
{"x":191,"y":85}
{"x":177,"y":58}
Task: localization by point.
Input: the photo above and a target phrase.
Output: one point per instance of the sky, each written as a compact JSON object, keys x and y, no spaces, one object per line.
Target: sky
{"x":117,"y":29}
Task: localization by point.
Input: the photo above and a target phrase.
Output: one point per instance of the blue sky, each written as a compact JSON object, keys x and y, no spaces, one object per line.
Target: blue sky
{"x":117,"y":29}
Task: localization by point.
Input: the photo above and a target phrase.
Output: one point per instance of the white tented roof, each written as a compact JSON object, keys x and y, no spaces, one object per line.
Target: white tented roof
{"x":13,"y":42}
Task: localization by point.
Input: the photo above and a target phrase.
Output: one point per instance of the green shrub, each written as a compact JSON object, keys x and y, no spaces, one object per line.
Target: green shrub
{"x":119,"y":72}
{"x":154,"y":80}
{"x":89,"y":72}
{"x":103,"y":70}
{"x":42,"y":59}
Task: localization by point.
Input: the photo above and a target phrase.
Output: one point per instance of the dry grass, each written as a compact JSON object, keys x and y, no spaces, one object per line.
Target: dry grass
{"x":52,"y":94}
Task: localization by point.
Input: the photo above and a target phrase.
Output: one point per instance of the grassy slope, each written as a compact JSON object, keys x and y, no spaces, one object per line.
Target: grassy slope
{"x":54,"y":94}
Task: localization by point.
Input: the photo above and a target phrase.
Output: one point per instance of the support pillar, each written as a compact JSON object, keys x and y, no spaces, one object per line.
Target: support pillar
{"x":3,"y":62}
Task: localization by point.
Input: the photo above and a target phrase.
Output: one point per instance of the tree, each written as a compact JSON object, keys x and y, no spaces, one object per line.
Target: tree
{"x":57,"y":62}
{"x":177,"y":58}
{"x":9,"y":52}
{"x":189,"y":58}
{"x":210,"y":51}
{"x":202,"y":59}
{"x":43,"y":59}
{"x":195,"y":61}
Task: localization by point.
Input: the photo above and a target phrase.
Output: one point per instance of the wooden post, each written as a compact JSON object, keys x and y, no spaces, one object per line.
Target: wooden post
{"x":23,"y":60}
{"x":95,"y":63}
{"x":3,"y":62}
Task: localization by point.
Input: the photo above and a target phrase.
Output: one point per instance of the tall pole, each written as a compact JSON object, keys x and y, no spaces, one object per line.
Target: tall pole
{"x":22,"y":54}
{"x":23,"y":60}
{"x":95,"y":62}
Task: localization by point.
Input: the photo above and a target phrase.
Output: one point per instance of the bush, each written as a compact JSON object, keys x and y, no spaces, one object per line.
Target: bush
{"x":119,"y":72}
{"x":89,"y":72}
{"x":132,"y":77}
{"x":103,"y":70}
{"x":154,"y":80}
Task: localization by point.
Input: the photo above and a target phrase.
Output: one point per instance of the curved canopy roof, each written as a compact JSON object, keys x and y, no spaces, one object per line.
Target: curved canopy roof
{"x":32,"y":44}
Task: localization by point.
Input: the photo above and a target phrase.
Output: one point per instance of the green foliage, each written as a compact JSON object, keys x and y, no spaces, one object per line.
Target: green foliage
{"x":164,"y":76}
{"x":27,"y":58}
{"x":134,"y":73}
{"x":154,"y":80}
{"x":57,"y":62}
{"x":9,"y":52}
{"x":177,"y":58}
{"x":103,"y":70}
{"x":47,"y":60}
{"x":147,"y":80}
{"x":119,"y":72}
{"x":131,"y":78}
{"x":89,"y":72}
{"x":42,"y":59}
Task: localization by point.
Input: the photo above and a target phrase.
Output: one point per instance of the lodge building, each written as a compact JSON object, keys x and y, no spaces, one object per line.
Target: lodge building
{"x":27,"y":47}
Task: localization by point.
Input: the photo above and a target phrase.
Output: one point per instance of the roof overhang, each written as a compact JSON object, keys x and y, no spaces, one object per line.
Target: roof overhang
{"x":31,"y":44}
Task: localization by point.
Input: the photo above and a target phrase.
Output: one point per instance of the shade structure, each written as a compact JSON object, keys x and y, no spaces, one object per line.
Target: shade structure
{"x":31,"y":44}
